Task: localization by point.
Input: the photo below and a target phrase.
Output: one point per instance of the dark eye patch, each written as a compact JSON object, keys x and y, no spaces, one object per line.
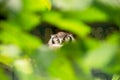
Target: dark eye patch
{"x":55,"y":38}
{"x":68,"y":38}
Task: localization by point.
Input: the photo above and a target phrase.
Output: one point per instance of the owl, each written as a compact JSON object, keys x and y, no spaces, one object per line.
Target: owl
{"x":58,"y":40}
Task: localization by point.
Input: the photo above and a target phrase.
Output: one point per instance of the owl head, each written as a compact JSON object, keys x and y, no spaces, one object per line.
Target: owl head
{"x":58,"y":40}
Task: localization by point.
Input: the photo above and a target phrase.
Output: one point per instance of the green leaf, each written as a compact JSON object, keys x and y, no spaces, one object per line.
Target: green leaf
{"x":100,"y":57}
{"x":111,"y":3}
{"x":3,"y":76}
{"x":72,"y":4}
{"x":12,"y":34}
{"x":37,"y":5}
{"x":91,"y":14}
{"x":69,"y":24}
{"x":61,"y":69}
{"x":24,"y":69}
{"x":27,"y":21}
{"x":116,"y":77}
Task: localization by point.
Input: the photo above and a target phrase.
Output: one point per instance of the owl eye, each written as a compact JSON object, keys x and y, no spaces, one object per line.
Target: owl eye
{"x":68,"y":39}
{"x":55,"y":39}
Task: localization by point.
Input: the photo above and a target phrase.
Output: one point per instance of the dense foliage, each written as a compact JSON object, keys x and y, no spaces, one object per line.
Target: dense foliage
{"x":32,"y":60}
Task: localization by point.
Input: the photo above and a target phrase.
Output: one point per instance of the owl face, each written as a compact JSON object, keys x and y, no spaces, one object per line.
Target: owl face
{"x":58,"y":40}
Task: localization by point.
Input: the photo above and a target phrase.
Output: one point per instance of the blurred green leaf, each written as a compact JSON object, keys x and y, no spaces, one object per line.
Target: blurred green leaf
{"x":52,"y":64}
{"x":61,"y":69}
{"x":35,"y":6}
{"x":72,"y":4}
{"x":111,"y":3}
{"x":12,"y":34}
{"x":11,"y":51}
{"x":111,"y":8}
{"x":101,"y":56}
{"x":74,"y":26}
{"x":6,"y":59}
{"x":88,"y":15}
{"x":116,"y":77}
{"x":24,"y":69}
{"x":27,"y":20}
{"x":13,"y":5}
{"x":3,"y":75}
